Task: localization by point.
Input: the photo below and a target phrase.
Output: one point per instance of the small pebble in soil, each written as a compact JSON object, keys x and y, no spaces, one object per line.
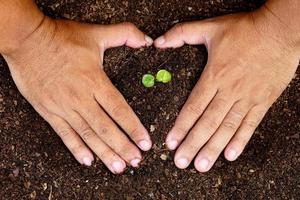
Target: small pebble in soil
{"x":152,"y":128}
{"x":33,"y":195}
{"x":163,"y":156}
{"x":16,"y":172}
{"x":27,"y":184}
{"x":148,"y":80}
{"x":45,"y":186}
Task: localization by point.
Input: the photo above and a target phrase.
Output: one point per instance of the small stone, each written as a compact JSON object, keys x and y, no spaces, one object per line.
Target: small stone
{"x":168,"y":117}
{"x":16,"y":172}
{"x":176,"y":98}
{"x":152,"y":128}
{"x":251,"y":171}
{"x":163,"y":156}
{"x":33,"y":195}
{"x":151,"y":195}
{"x":27,"y":184}
{"x":67,"y":16}
{"x":45,"y":186}
{"x":295,"y":136}
{"x":239,"y":175}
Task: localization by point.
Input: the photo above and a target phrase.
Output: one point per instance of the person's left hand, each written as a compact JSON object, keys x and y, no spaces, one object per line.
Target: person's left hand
{"x":250,"y":63}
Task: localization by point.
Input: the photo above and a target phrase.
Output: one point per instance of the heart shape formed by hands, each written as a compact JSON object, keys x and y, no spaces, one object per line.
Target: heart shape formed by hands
{"x":233,"y":94}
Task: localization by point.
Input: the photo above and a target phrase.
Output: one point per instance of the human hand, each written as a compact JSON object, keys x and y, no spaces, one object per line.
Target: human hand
{"x":58,"y":69}
{"x":252,"y":57}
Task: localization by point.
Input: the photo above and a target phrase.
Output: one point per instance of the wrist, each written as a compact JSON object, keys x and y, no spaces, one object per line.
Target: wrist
{"x":20,"y":21}
{"x":281,"y":19}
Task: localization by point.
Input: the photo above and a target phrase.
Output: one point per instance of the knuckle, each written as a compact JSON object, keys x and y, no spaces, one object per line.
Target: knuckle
{"x":128,"y":26}
{"x":120,"y":111}
{"x":219,"y":104}
{"x":194,"y":109}
{"x":181,"y":130}
{"x":104,"y":154}
{"x":241,"y":141}
{"x":179,"y":28}
{"x":231,"y":125}
{"x":64,"y":132}
{"x":126,"y":149}
{"x":210,"y":125}
{"x":213,"y":149}
{"x":102,"y":130}
{"x":134,"y":132}
{"x":251,"y":123}
{"x":85,"y":132}
{"x":237,"y":115}
{"x":77,"y":149}
{"x":194,"y":147}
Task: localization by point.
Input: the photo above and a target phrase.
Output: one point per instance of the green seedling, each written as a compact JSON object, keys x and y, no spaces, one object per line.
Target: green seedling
{"x":148,"y":80}
{"x":163,"y":76}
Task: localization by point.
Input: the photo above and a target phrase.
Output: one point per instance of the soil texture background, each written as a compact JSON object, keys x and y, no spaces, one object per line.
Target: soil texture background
{"x":34,"y":164}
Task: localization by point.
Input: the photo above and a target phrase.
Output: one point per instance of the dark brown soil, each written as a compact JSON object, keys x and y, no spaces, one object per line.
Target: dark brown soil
{"x":34,"y":164}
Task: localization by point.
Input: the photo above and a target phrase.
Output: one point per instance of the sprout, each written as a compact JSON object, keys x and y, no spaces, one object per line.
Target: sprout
{"x":163,"y":76}
{"x":148,"y":80}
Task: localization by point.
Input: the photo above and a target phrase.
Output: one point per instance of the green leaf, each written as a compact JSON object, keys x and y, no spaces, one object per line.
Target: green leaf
{"x":163,"y":76}
{"x":148,"y":80}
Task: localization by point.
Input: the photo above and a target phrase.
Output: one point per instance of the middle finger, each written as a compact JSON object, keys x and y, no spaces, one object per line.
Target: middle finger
{"x":203,"y":130}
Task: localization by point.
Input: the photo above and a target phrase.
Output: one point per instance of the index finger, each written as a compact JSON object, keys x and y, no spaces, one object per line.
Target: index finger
{"x":116,"y":106}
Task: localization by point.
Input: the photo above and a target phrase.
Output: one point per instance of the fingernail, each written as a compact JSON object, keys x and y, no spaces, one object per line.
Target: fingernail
{"x":161,"y":40}
{"x":231,"y":155}
{"x":145,"y":145}
{"x":149,"y":40}
{"x":182,"y":163}
{"x":135,"y":162}
{"x":118,"y":166}
{"x":172,"y":144}
{"x":87,"y":161}
{"x":203,"y":164}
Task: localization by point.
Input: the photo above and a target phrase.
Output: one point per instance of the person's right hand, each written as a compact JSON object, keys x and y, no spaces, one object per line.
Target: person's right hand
{"x":58,"y":69}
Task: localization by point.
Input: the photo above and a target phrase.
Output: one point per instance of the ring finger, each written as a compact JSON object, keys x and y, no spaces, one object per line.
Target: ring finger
{"x":113,"y":161}
{"x":213,"y":148}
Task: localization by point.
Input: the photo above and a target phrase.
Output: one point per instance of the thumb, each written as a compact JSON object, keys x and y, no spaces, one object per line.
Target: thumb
{"x":123,"y":34}
{"x":192,"y":33}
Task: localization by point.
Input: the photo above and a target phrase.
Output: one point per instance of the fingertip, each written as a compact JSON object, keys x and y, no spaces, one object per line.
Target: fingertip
{"x":135,"y":162}
{"x":149,"y":40}
{"x":171,"y":141}
{"x":202,"y":165}
{"x":145,"y":145}
{"x":87,"y":161}
{"x":160,"y":41}
{"x":231,"y":154}
{"x":118,"y":167}
{"x":172,"y":144}
{"x":181,"y":162}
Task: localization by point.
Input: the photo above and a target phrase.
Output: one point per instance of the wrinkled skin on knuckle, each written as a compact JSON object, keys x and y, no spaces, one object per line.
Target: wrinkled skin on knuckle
{"x":63,"y":131}
{"x":194,"y":109}
{"x":128,"y":27}
{"x":210,"y":125}
{"x":230,"y":125}
{"x":103,"y":129}
{"x":85,"y":131}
